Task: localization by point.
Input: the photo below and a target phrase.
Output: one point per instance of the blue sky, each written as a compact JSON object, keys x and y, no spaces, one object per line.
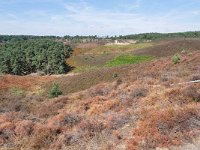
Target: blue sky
{"x":97,"y":17}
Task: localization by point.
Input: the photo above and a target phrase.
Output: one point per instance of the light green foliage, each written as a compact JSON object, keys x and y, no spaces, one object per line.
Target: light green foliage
{"x":176,"y":59}
{"x":55,"y":91}
{"x":128,"y":59}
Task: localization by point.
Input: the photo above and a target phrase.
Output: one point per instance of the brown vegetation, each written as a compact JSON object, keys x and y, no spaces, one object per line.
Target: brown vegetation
{"x":25,"y":82}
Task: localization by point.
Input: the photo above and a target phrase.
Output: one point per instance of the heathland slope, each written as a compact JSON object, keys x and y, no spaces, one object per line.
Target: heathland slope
{"x":142,"y":107}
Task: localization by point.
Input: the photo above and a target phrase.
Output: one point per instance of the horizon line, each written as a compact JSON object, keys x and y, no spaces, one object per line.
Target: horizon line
{"x":97,"y":35}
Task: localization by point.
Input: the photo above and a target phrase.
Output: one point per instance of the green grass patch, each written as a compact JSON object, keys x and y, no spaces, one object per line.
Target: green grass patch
{"x":127,"y":59}
{"x":17,"y":91}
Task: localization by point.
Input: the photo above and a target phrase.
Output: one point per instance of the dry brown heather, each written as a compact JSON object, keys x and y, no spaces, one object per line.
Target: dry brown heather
{"x":24,"y":82}
{"x":137,"y":110}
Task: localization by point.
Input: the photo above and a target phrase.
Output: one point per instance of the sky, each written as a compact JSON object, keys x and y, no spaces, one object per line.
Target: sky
{"x":97,"y":17}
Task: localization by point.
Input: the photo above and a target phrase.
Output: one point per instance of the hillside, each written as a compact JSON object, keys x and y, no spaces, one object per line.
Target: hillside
{"x":133,"y":106}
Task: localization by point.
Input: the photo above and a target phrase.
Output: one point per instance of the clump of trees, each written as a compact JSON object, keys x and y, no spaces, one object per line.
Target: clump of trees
{"x":23,"y":57}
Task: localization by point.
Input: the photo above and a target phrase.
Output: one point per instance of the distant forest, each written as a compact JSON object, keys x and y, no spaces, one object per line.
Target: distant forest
{"x":77,"y":38}
{"x":157,"y":36}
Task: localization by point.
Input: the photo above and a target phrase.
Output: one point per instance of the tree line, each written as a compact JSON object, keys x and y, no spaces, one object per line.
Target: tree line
{"x":25,"y":56}
{"x":78,"y":38}
{"x":157,"y":36}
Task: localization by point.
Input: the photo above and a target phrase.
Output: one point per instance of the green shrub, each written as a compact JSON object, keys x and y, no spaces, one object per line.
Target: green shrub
{"x":176,"y":59}
{"x":55,"y":91}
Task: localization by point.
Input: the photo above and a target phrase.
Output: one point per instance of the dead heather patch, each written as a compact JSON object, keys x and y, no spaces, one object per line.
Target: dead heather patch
{"x":171,"y":126}
{"x":23,"y":82}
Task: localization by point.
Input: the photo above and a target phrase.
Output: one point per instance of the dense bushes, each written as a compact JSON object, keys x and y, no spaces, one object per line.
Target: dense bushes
{"x":29,"y":56}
